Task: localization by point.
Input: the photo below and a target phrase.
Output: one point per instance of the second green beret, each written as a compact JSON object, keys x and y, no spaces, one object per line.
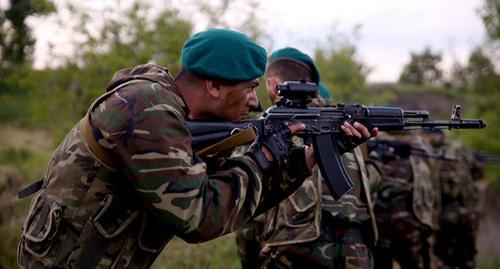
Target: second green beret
{"x":223,"y":54}
{"x":297,"y":56}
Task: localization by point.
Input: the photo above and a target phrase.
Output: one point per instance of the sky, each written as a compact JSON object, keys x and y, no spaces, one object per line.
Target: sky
{"x":390,"y":29}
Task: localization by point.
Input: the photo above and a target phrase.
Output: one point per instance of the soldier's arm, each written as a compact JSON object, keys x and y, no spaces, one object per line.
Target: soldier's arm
{"x":154,"y":147}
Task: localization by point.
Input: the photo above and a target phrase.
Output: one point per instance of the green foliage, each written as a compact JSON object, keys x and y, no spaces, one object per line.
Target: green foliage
{"x":489,"y":264}
{"x":24,"y":154}
{"x":483,"y":77}
{"x":342,"y":73}
{"x":129,"y":38}
{"x":57,"y":98}
{"x":422,"y":68}
{"x":16,"y":42}
{"x":490,"y":14}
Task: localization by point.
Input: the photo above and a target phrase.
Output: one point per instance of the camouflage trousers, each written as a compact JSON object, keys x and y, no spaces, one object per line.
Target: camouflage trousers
{"x":402,"y":237}
{"x":248,"y":242}
{"x":337,"y":247}
{"x":455,"y":240}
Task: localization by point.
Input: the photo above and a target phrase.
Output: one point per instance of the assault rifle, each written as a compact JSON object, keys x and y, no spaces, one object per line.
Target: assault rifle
{"x":486,"y":158}
{"x":389,"y":150}
{"x":322,"y":127}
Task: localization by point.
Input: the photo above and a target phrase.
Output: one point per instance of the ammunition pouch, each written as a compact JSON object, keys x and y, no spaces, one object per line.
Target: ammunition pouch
{"x":42,"y":226}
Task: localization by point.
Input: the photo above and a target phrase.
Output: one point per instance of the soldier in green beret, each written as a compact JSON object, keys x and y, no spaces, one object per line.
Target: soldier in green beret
{"x":310,"y":229}
{"x":125,"y":179}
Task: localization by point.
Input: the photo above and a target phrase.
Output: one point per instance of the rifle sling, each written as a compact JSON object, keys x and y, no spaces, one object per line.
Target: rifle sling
{"x":242,"y":137}
{"x":102,"y":154}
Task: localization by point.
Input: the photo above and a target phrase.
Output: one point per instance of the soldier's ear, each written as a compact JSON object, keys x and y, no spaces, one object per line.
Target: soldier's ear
{"x":271,"y":83}
{"x":212,"y":88}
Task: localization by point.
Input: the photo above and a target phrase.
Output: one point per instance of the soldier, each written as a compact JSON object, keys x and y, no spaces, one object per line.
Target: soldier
{"x":458,"y":220}
{"x":405,"y":198}
{"x":125,"y":180}
{"x":310,"y":229}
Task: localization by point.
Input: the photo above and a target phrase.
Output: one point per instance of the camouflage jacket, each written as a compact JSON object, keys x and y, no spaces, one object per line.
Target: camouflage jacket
{"x":298,"y":219}
{"x":412,"y":177}
{"x":455,"y":175}
{"x":90,"y":215}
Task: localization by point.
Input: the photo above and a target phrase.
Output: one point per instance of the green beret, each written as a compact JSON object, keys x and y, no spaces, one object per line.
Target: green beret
{"x":323,"y":92}
{"x":223,"y":54}
{"x":297,"y":56}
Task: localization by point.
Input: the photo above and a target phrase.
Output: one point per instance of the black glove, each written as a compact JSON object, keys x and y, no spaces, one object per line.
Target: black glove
{"x":348,"y":143}
{"x":279,"y":145}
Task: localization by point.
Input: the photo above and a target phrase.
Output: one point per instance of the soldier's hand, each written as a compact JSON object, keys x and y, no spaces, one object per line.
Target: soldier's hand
{"x":276,"y":153}
{"x":293,"y":129}
{"x":358,"y":130}
{"x":354,"y":135}
{"x":272,"y":153}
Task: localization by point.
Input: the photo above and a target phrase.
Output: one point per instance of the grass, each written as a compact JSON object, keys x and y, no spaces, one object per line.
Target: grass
{"x":218,"y":253}
{"x":489,"y":263}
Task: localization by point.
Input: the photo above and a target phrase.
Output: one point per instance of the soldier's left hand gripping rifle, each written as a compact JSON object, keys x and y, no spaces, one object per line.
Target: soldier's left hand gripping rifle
{"x":322,"y":128}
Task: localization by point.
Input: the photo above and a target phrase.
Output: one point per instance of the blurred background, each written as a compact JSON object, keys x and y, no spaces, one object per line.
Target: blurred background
{"x":56,"y":56}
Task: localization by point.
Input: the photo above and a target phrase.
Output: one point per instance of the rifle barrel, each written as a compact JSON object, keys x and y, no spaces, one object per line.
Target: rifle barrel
{"x":448,"y":124}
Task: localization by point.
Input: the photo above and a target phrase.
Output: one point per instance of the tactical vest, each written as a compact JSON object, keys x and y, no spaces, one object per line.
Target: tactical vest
{"x":410,"y":178}
{"x":298,"y":218}
{"x":425,"y":192}
{"x":455,"y":176}
{"x":87,"y":216}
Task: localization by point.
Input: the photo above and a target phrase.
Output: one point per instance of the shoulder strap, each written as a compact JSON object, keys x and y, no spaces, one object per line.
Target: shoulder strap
{"x":242,"y":137}
{"x":33,"y":188}
{"x":101,"y":153}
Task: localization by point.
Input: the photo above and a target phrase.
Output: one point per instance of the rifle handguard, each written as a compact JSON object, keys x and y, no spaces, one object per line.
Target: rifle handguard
{"x":279,"y":144}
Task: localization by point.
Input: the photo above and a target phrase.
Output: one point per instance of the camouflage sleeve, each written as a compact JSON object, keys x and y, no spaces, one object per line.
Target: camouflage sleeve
{"x":154,"y":146}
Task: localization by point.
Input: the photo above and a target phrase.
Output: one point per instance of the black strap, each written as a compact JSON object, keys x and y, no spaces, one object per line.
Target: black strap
{"x":43,"y":217}
{"x":30,"y":189}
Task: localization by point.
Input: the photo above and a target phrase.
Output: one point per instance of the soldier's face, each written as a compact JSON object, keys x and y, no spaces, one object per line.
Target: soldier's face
{"x":237,"y":100}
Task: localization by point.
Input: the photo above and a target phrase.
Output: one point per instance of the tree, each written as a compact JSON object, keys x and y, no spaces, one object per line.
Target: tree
{"x":423,"y":68}
{"x":341,"y":71}
{"x":459,"y":78}
{"x":16,"y":42}
{"x":482,"y":73}
{"x":490,"y":14}
{"x":124,"y":36}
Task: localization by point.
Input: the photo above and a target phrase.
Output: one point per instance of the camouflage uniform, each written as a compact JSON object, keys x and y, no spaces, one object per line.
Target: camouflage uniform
{"x":310,"y":229}
{"x":90,"y":215}
{"x":405,"y":198}
{"x":455,"y":239}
